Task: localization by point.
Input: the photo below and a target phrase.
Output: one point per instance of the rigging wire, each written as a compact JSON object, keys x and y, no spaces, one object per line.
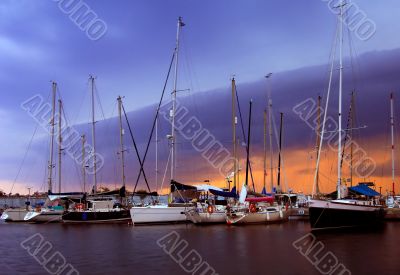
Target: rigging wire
{"x":243,"y":133}
{"x":154,"y":122}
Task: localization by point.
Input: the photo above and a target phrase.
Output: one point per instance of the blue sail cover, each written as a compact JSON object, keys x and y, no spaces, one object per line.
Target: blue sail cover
{"x":231,"y":194}
{"x":363,"y":189}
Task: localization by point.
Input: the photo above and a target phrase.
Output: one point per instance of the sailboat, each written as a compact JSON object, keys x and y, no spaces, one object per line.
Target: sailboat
{"x":51,"y":212}
{"x":341,"y":212}
{"x":213,"y":210}
{"x":172,"y":212}
{"x":256,"y":209}
{"x":99,"y":207}
{"x":17,"y":214}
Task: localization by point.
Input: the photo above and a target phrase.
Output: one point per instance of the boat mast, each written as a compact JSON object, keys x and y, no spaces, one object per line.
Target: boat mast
{"x":279,"y":156}
{"x":234,"y":122}
{"x":91,"y":78}
{"x":121,"y":139}
{"x":265,"y":149}
{"x":156,"y":126}
{"x":172,"y":113}
{"x":392,"y":133}
{"x":59,"y":144}
{"x":339,"y":181}
{"x":83,"y":163}
{"x":270,"y":144}
{"x":318,"y":133}
{"x":52,"y":124}
{"x":351,"y":135}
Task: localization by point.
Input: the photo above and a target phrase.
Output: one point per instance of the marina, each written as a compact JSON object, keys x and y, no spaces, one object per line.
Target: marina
{"x":203,"y":139}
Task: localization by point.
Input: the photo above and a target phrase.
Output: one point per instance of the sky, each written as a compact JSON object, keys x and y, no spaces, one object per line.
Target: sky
{"x":40,"y":43}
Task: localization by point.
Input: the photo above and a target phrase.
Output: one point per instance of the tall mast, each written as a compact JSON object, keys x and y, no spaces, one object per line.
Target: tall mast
{"x":270,"y":144}
{"x":83,"y":163}
{"x":318,"y":134}
{"x":339,"y":183}
{"x":52,"y":123}
{"x":156,"y":153}
{"x":279,"y":156}
{"x":91,"y":78}
{"x":173,"y":137}
{"x":234,"y":121}
{"x":392,"y":130}
{"x":59,"y":144}
{"x":351,"y":135}
{"x":121,"y":139}
{"x":265,"y":150}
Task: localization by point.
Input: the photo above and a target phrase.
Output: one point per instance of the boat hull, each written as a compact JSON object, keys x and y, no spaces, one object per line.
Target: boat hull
{"x":158,"y":214}
{"x":44,"y":216}
{"x":257,"y":218}
{"x":120,"y":216}
{"x":204,"y":217}
{"x":330,"y":214}
{"x":14,"y":215}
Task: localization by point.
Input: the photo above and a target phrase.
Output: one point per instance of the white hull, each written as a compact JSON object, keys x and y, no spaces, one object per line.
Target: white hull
{"x":205,"y":217}
{"x":158,"y":214}
{"x":44,"y":216}
{"x":258,"y":217}
{"x":14,"y":215}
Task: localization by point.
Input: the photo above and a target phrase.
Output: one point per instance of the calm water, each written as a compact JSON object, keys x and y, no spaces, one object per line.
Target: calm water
{"x":259,"y":249}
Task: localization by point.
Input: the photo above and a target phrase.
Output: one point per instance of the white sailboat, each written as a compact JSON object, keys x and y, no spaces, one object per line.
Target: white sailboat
{"x":210,"y":208}
{"x":15,"y":214}
{"x":49,"y":213}
{"x":166,"y":213}
{"x":341,"y":212}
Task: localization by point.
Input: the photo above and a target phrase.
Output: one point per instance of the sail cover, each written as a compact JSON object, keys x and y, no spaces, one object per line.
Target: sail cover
{"x":363,"y":189}
{"x":176,"y":186}
{"x":231,"y":194}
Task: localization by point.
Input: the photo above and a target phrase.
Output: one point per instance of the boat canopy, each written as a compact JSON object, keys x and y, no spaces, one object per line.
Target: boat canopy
{"x":206,"y":187}
{"x":55,"y":196}
{"x":363,"y":189}
{"x":231,"y":194}
{"x":176,"y":186}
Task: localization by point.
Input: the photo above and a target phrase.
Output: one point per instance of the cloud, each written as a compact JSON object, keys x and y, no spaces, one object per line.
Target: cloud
{"x":377,"y":78}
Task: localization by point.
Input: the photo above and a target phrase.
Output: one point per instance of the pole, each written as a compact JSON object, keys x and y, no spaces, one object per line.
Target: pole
{"x":59,"y":144}
{"x":351,"y":135}
{"x":392,"y":133}
{"x":271,"y":152}
{"x":94,"y":138}
{"x":265,"y":149}
{"x":234,"y":121}
{"x":52,"y":125}
{"x":339,"y":180}
{"x":156,"y":126}
{"x":121,"y":139}
{"x":172,"y":114}
{"x":83,"y":137}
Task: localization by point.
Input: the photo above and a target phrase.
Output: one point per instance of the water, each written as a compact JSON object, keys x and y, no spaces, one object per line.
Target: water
{"x":258,"y":249}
